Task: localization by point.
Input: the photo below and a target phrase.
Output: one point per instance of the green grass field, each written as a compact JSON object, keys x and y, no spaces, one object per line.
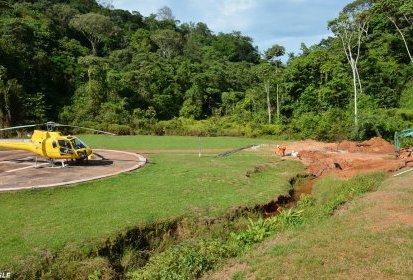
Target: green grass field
{"x":145,"y":142}
{"x":172,"y":185}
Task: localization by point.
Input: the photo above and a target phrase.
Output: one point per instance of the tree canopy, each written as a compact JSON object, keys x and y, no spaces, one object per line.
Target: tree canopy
{"x":86,"y":63}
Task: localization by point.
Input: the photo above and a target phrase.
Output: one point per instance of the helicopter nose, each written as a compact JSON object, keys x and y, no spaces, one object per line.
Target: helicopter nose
{"x":82,"y":154}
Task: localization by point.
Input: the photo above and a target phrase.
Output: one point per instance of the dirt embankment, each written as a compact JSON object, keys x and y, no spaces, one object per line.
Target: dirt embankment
{"x":346,"y":159}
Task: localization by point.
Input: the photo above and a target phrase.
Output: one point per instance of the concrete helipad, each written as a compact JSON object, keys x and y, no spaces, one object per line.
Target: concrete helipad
{"x":19,"y":170}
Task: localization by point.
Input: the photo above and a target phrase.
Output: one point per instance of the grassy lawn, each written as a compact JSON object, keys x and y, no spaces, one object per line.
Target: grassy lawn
{"x":171,"y":186}
{"x":369,"y":238}
{"x":169,"y":142}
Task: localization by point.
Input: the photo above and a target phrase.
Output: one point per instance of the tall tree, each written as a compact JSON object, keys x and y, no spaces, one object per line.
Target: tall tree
{"x":399,"y":12}
{"x":351,"y":26}
{"x":168,"y":41}
{"x":10,"y":99}
{"x":95,"y":27}
{"x":265,"y":72}
{"x":165,"y":13}
{"x":273,"y":54}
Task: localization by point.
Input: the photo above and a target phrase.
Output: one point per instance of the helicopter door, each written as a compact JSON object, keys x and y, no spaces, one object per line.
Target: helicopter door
{"x":65,"y":147}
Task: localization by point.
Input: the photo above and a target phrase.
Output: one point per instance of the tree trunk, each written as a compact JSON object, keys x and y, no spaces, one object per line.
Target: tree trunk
{"x":6,"y":100}
{"x":89,"y":75}
{"x":355,"y":93}
{"x":93,"y":44}
{"x":278,"y":103}
{"x":352,"y":59}
{"x":278,"y":91}
{"x":358,"y":79}
{"x":267,"y":90}
{"x":403,"y":38}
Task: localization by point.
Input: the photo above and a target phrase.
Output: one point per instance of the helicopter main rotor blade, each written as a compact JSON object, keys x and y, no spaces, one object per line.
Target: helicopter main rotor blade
{"x":20,"y":126}
{"x":85,"y":128}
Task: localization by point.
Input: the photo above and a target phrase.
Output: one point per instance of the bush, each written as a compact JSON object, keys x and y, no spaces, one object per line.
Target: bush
{"x":272,"y":129}
{"x":186,"y":261}
{"x":332,"y":125}
{"x":120,"y":129}
{"x":259,"y":230}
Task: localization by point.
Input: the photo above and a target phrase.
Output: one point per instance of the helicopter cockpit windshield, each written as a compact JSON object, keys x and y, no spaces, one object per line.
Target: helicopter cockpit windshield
{"x":78,"y":144}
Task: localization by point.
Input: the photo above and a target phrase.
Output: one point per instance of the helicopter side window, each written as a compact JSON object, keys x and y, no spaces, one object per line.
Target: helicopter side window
{"x":65,"y":147}
{"x":54,"y":144}
{"x":62,"y":143}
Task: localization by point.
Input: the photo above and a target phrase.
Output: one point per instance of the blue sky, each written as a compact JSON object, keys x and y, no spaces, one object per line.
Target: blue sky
{"x":268,"y":22}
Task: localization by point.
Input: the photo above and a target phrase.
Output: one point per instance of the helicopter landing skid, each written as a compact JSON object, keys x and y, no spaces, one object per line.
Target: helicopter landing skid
{"x":53,"y":165}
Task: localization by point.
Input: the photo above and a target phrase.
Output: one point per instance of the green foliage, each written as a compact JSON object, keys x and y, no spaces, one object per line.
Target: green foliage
{"x":330,"y":125}
{"x":186,"y":261}
{"x":339,"y":192}
{"x":185,"y":71}
{"x":4,"y":4}
{"x":305,"y":201}
{"x":262,"y":228}
{"x":233,"y":47}
{"x":257,"y":231}
{"x":274,"y":52}
{"x":190,"y":259}
{"x":288,"y":218}
{"x":406,"y":99}
{"x":10,"y":102}
{"x":95,"y":27}
{"x":168,"y":41}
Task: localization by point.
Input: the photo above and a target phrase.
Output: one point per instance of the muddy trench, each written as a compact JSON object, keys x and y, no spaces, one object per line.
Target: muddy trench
{"x":132,"y":249}
{"x":153,"y":239}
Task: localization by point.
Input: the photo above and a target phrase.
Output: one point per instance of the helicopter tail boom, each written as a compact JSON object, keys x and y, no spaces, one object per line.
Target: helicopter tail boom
{"x":18,"y":144}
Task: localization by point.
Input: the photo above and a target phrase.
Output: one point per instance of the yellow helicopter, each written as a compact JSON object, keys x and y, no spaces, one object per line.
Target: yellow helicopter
{"x":51,"y":144}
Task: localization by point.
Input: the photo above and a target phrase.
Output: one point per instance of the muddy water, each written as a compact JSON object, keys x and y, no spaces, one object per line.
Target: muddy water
{"x":304,"y":188}
{"x":300,"y":185}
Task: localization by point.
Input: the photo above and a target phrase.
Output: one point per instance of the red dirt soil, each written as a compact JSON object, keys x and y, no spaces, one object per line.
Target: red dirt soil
{"x":346,"y":159}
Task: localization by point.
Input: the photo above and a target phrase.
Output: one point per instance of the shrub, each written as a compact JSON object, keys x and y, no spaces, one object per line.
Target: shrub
{"x":120,"y":129}
{"x":186,"y":261}
{"x":272,"y":129}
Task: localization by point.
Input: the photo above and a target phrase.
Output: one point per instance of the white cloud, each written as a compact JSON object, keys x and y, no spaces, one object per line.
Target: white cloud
{"x":224,"y":15}
{"x":143,"y":7}
{"x":233,"y":7}
{"x":292,"y":43}
{"x":286,"y":22}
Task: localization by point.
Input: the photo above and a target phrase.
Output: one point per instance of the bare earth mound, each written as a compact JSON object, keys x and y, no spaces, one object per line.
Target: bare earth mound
{"x":346,"y":159}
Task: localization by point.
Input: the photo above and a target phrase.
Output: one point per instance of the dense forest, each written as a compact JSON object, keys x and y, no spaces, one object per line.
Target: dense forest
{"x":83,"y":62}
